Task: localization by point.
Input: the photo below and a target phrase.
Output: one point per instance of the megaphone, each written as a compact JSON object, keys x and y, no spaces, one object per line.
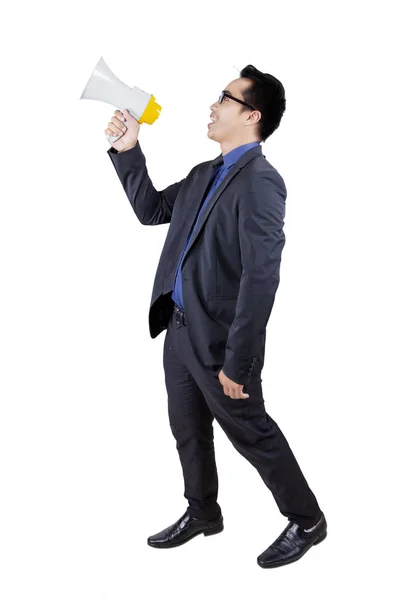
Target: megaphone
{"x":103,"y":85}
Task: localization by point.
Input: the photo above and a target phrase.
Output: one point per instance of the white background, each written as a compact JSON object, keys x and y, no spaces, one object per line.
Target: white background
{"x":88,"y":464}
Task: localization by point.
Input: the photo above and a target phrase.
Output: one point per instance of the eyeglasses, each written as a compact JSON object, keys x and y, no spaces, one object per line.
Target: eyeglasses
{"x":226,"y":95}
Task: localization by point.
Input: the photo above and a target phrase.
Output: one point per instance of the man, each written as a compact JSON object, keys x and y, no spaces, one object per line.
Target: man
{"x":213,"y":292}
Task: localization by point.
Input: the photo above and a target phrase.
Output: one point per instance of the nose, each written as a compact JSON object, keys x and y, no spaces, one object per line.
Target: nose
{"x":213,"y":105}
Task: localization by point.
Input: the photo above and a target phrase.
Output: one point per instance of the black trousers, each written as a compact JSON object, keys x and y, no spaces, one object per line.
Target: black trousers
{"x":195,"y":398}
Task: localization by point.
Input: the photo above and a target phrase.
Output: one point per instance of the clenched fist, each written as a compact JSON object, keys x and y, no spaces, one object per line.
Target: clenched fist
{"x":232,"y":389}
{"x":123,"y":123}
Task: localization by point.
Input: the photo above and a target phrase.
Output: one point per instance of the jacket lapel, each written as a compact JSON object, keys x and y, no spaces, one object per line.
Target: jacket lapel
{"x":243,"y":160}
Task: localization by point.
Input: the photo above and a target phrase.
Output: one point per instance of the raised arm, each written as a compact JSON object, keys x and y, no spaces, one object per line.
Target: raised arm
{"x":151,"y":207}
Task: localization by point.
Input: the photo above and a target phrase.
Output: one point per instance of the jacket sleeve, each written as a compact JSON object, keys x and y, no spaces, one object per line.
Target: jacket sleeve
{"x":261,"y":237}
{"x":150,"y":206}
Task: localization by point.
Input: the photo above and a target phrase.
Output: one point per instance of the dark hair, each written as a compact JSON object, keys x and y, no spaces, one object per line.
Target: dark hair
{"x":266,"y":94}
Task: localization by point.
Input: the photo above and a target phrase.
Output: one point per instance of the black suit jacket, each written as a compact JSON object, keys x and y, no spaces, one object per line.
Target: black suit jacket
{"x":230,"y":272}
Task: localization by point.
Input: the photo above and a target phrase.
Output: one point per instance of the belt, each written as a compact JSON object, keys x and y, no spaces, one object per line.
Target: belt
{"x":179,"y":315}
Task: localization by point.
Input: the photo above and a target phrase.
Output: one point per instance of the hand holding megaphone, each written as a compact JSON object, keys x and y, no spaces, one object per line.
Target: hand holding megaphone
{"x":140,"y":107}
{"x":124,"y":129}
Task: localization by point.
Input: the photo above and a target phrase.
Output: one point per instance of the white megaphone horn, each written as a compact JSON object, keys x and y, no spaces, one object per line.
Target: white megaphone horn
{"x":103,"y":85}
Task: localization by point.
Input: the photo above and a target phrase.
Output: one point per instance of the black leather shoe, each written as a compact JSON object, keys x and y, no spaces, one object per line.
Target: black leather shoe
{"x":183,"y":530}
{"x":292,"y":544}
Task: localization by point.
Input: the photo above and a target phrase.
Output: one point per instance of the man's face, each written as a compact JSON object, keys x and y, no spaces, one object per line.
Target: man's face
{"x":230,"y":120}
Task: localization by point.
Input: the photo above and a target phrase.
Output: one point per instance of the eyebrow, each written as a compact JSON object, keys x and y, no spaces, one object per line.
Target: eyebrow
{"x":228,"y":93}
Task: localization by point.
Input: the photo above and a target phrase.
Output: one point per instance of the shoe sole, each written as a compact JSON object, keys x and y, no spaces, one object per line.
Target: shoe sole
{"x":211,"y":531}
{"x":287,"y":562}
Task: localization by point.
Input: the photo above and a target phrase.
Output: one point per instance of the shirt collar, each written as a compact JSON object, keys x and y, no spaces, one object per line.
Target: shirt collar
{"x":231,"y":157}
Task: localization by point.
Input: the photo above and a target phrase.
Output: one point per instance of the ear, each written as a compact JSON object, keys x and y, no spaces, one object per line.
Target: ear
{"x":255,"y":116}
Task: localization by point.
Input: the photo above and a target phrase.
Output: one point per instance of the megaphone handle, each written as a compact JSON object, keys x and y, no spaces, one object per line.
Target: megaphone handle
{"x":114,"y":138}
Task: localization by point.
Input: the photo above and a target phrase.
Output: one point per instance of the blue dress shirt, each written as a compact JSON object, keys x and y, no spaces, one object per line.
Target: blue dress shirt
{"x":229,"y":160}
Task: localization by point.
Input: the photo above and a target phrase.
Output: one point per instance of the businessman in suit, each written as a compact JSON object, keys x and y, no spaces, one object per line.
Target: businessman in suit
{"x":213,"y":293}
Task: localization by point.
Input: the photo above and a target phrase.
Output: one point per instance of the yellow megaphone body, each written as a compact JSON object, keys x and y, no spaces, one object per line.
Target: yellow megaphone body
{"x":104,"y":86}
